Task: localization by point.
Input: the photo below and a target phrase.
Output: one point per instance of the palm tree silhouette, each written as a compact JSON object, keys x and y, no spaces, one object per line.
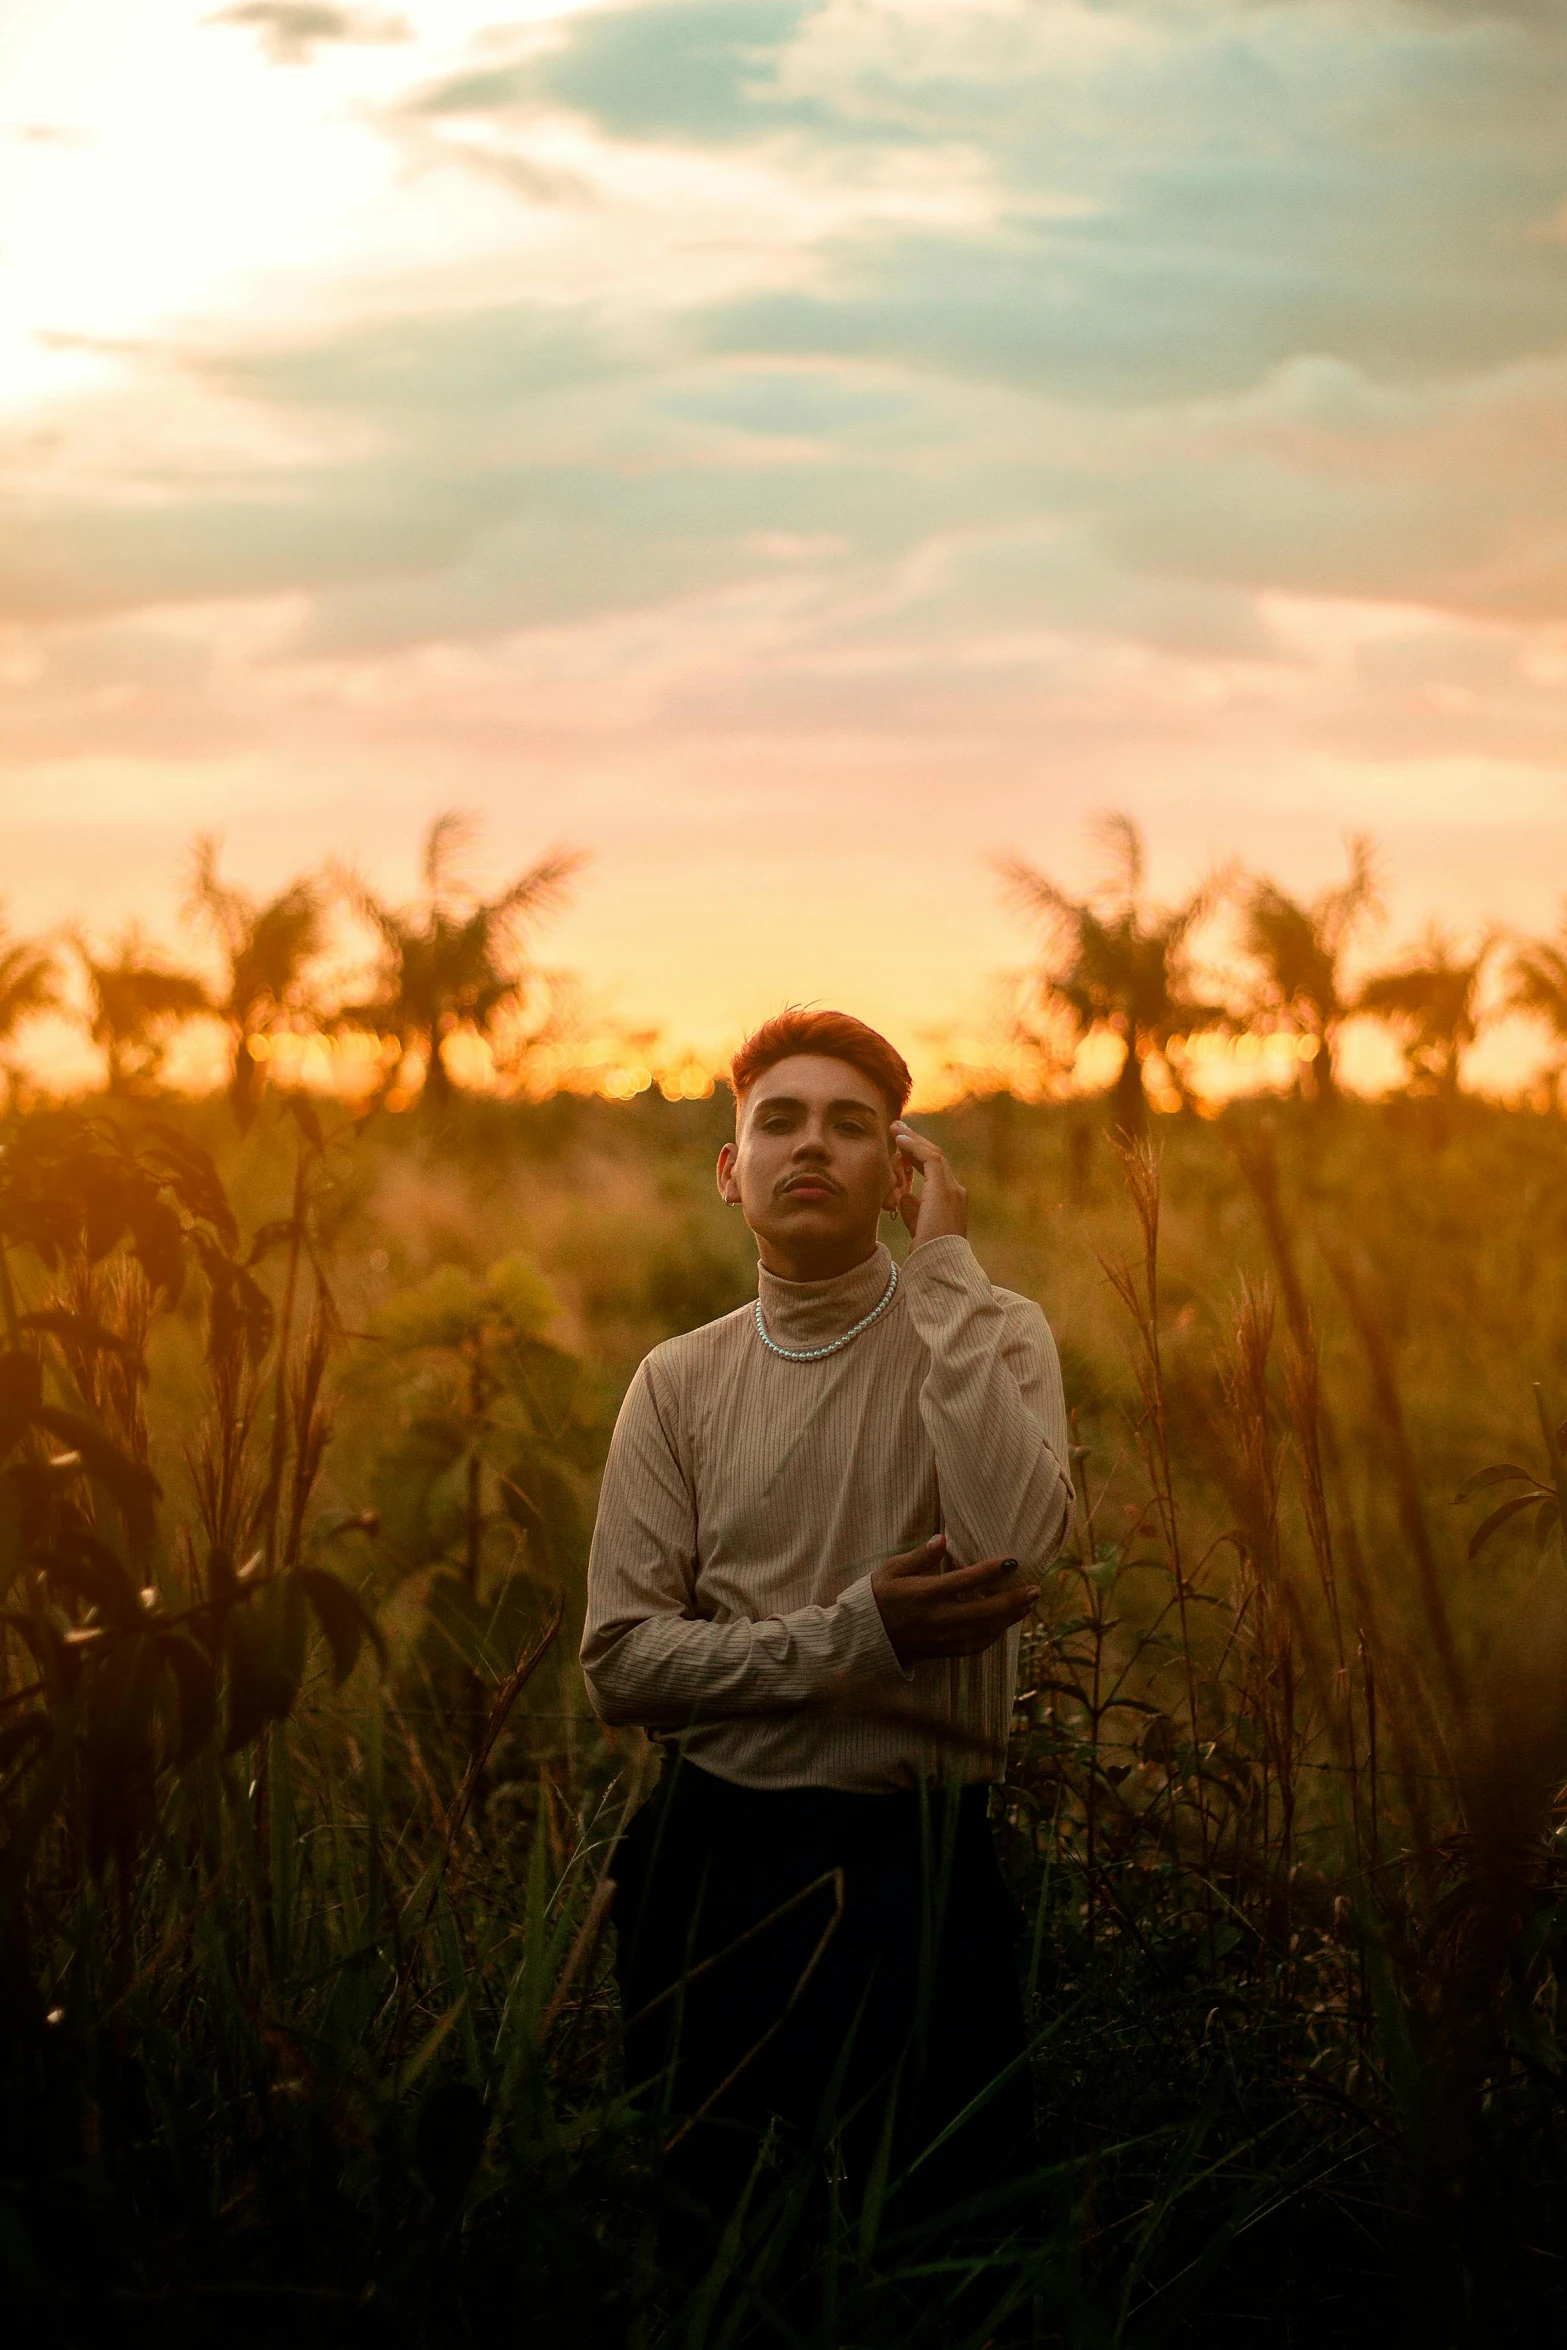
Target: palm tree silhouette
{"x":267,"y":948}
{"x":29,"y":984}
{"x":1431,"y":1003}
{"x":456,"y":959}
{"x":29,"y":981}
{"x":1537,"y":986}
{"x":136,"y":1006}
{"x":1114,"y":962}
{"x":1299,"y":947}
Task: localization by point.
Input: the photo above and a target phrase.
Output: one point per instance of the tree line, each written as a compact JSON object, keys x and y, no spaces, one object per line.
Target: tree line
{"x":1118,"y":963}
{"x":1115,"y":963}
{"x":453,"y":960}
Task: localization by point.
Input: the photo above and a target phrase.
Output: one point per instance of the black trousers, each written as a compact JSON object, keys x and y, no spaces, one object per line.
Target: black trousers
{"x":841,"y":1965}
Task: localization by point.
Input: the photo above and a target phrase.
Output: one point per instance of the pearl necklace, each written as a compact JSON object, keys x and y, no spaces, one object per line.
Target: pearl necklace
{"x":814,"y":1354}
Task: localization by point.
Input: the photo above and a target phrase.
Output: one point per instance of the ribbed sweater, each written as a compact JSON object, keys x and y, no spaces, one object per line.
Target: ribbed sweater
{"x":747,"y":1501}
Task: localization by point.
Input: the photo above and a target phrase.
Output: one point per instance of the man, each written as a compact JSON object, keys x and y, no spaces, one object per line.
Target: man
{"x":823,"y":1520}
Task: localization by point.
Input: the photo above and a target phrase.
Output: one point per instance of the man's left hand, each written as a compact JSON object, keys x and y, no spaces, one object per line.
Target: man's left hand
{"x":942,"y":1205}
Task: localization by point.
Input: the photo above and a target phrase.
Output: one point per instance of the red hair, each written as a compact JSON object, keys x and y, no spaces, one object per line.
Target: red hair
{"x":835,"y":1036}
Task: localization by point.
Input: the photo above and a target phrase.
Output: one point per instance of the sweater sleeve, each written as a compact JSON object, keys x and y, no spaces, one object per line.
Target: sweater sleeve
{"x":648,"y":1656}
{"x":993,"y":1409}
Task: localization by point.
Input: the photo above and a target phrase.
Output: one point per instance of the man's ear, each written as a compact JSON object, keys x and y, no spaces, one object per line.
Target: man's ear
{"x":728,"y":1185}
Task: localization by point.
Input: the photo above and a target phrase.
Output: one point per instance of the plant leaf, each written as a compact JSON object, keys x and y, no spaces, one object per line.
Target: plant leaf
{"x":91,"y":1570}
{"x":1499,"y":1517}
{"x":266,"y":1658}
{"x":332,"y":1525}
{"x":158,"y":1241}
{"x":236,"y":1305}
{"x":222,"y":1583}
{"x":267,"y":1237}
{"x":1552,"y":1445}
{"x":11,"y":1527}
{"x":303,"y":1112}
{"x":196,"y":1687}
{"x":1504,"y":1473}
{"x":33,"y":1731}
{"x":345,"y":1623}
{"x":21,"y":1396}
{"x":193,"y":1178}
{"x":118,"y":1746}
{"x":16,"y":1857}
{"x":134,"y":1489}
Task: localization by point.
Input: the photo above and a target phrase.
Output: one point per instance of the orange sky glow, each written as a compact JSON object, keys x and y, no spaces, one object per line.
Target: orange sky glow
{"x":793,"y":451}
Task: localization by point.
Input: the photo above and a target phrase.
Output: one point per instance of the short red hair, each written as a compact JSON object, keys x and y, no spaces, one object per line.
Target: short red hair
{"x":835,"y":1036}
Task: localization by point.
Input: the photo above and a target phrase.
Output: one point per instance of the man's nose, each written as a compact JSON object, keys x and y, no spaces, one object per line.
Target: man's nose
{"x":810,"y":1143}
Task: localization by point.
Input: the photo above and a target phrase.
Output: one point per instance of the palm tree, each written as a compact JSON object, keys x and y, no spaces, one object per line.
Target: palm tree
{"x":1299,"y":946}
{"x":1537,"y":986}
{"x":456,"y":959}
{"x":136,"y":1007}
{"x":267,"y":949}
{"x":1116,"y":963}
{"x":29,"y":984}
{"x":1431,"y":1003}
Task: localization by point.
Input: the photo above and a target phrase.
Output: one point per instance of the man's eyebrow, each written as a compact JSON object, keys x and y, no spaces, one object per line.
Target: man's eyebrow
{"x":792,"y":1101}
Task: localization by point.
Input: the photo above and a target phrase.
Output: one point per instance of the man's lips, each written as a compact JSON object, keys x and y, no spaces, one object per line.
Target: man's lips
{"x":809,"y":1187}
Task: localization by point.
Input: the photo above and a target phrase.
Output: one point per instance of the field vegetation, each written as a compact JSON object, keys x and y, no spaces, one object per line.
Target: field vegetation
{"x":307,"y":2032}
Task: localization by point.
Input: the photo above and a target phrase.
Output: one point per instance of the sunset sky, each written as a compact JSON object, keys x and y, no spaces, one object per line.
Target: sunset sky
{"x":791,"y":452}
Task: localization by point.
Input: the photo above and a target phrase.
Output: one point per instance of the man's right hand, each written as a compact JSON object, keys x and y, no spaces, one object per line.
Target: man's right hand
{"x":931,"y":1610}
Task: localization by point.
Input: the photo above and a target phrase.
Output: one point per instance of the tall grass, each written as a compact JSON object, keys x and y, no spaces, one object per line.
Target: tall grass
{"x":308,"y":2026}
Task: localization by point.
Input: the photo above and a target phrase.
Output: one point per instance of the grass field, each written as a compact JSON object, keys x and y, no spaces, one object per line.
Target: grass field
{"x":308,"y":2026}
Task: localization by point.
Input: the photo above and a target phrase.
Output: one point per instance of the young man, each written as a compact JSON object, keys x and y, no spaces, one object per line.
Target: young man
{"x":823,"y":1520}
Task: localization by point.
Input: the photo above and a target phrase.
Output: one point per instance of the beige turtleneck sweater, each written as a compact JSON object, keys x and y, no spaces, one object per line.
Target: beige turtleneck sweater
{"x":747,"y":1501}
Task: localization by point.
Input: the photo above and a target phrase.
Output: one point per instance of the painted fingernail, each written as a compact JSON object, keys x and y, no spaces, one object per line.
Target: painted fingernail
{"x":1009,"y":1566}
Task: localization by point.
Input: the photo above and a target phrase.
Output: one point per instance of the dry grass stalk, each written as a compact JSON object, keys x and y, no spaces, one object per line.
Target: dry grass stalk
{"x":1270,"y":1684}
{"x":221,"y":1456}
{"x":310,"y":1427}
{"x":1140,"y":1170}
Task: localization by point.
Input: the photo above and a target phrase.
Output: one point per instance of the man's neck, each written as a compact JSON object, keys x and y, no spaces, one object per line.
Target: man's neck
{"x":823,"y":1264}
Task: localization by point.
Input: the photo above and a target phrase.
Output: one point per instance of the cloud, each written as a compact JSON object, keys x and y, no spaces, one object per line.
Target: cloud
{"x":1536,"y":17}
{"x":429,"y":368}
{"x":702,"y":71}
{"x":1164,"y":200}
{"x":512,"y":469}
{"x":1080,"y":350}
{"x":121,"y":687}
{"x":1325,"y":481}
{"x":290,"y":31}
{"x":66,"y":560}
{"x":1130,"y":312}
{"x":793,"y":404}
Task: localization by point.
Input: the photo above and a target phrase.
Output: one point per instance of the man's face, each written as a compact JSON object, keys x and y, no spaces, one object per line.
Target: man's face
{"x":812,"y":1166}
